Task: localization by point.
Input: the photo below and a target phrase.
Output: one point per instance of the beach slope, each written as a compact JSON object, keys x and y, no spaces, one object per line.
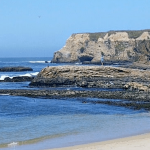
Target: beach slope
{"x":139,"y":142}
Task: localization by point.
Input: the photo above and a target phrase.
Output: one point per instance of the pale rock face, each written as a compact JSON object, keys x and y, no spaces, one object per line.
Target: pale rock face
{"x":115,"y":46}
{"x":119,"y":36}
{"x":69,"y":52}
{"x":144,"y":36}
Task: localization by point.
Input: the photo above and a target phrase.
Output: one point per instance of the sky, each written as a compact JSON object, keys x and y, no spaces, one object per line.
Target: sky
{"x":38,"y":28}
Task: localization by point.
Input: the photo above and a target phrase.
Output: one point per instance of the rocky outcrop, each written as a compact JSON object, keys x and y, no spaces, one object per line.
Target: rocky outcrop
{"x":15,"y":69}
{"x":134,"y":100}
{"x":116,"y":46}
{"x":90,"y":76}
{"x":18,"y":79}
{"x":136,"y":65}
{"x":137,"y":86}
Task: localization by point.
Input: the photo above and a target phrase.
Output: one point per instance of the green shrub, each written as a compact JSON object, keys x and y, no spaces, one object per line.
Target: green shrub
{"x":95,"y":36}
{"x":131,"y":33}
{"x":120,"y":46}
{"x":129,"y":54}
{"x":102,"y":53}
{"x":82,"y":49}
{"x":134,"y":34}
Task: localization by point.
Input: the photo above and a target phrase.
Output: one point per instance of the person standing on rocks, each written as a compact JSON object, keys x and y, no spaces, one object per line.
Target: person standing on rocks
{"x":102,"y":60}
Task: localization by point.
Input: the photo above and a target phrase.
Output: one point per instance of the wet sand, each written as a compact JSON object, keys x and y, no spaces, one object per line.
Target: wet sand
{"x":139,"y":142}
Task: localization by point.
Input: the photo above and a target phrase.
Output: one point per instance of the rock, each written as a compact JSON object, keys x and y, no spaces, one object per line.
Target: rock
{"x":18,"y":79}
{"x":90,"y":76}
{"x":116,"y":46}
{"x":137,"y":65}
{"x":15,"y":69}
{"x":86,"y":57}
{"x":137,"y":86}
{"x":134,"y":100}
{"x":7,"y":79}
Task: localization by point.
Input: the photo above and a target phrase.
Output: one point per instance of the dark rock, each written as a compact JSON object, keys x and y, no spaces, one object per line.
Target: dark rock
{"x":18,"y":79}
{"x":7,"y":79}
{"x":133,"y":100}
{"x":22,"y":79}
{"x":85,"y":58}
{"x":15,"y":69}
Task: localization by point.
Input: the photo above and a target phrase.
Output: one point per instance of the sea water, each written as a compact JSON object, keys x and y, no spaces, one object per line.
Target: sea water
{"x":38,"y":123}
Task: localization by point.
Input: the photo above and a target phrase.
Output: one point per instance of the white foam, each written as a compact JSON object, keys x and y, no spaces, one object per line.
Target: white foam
{"x":3,"y":77}
{"x":39,"y":62}
{"x":79,"y":63}
{"x":35,"y":73}
{"x":29,"y":74}
{"x":13,"y":144}
{"x":26,"y":75}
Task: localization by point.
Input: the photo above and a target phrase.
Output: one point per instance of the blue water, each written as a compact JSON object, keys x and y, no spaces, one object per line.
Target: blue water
{"x":49,"y":123}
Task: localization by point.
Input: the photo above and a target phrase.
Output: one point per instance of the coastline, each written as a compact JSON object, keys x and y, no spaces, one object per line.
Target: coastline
{"x":66,"y":92}
{"x":137,"y":142}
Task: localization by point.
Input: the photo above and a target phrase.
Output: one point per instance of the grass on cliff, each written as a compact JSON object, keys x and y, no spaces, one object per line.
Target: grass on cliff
{"x":131,"y":33}
{"x":134,"y":34}
{"x":95,"y":36}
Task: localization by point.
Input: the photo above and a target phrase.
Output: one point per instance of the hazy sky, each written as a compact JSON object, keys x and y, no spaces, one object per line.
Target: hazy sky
{"x":31,"y":28}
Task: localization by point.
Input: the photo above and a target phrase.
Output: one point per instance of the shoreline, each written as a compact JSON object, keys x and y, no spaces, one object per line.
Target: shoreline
{"x":136,"y":142}
{"x":131,"y":142}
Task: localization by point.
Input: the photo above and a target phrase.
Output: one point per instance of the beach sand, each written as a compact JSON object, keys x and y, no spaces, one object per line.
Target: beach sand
{"x":139,"y":142}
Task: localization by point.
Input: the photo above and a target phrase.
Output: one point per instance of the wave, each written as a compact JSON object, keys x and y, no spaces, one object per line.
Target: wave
{"x":13,"y":144}
{"x":79,"y":63}
{"x":4,"y":76}
{"x":40,"y":62}
{"x":27,"y":75}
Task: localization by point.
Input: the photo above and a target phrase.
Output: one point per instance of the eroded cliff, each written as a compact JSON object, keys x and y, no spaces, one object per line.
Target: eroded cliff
{"x":116,"y":46}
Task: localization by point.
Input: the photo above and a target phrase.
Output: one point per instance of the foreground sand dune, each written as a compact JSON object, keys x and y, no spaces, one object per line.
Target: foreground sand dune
{"x":140,"y":142}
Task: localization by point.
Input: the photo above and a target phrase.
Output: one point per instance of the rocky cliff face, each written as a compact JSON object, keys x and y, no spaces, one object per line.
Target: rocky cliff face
{"x":116,"y":46}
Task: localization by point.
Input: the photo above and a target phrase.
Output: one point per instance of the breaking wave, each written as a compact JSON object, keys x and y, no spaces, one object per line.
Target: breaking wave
{"x":29,"y":74}
{"x":2,"y":77}
{"x":40,"y":62}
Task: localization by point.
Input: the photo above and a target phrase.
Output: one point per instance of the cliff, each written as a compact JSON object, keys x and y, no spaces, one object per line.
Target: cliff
{"x":116,"y":46}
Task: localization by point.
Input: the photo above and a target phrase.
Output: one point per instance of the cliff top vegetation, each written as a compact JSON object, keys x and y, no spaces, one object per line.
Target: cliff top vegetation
{"x":131,"y":34}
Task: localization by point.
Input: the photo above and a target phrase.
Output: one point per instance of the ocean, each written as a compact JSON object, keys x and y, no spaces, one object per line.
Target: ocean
{"x":38,"y":123}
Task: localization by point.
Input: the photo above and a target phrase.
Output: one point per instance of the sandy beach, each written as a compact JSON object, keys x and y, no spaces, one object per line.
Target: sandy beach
{"x":139,"y":142}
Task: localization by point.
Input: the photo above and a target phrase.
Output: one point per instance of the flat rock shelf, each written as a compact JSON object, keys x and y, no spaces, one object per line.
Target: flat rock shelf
{"x":133,"y":100}
{"x":15,"y":69}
